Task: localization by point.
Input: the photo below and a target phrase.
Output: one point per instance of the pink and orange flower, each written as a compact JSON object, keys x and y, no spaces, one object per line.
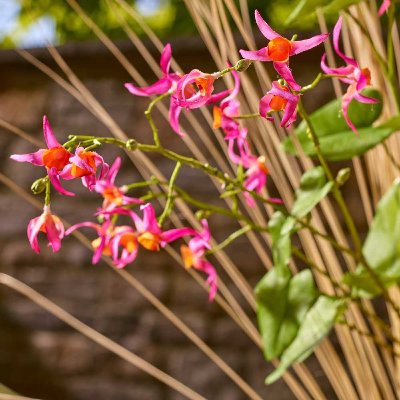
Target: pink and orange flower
{"x":55,"y":158}
{"x":280,"y":49}
{"x":193,"y":256}
{"x":357,"y":78}
{"x":49,"y":224}
{"x":114,"y":196}
{"x":280,"y":98}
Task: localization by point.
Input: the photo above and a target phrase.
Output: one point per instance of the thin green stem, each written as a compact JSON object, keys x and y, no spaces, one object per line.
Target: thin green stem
{"x":48,"y":193}
{"x":170,"y":199}
{"x":232,"y":237}
{"x":147,"y":113}
{"x":247,"y":116}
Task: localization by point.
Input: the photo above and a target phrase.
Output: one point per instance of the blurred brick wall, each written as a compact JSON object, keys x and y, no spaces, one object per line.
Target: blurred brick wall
{"x":41,"y":356}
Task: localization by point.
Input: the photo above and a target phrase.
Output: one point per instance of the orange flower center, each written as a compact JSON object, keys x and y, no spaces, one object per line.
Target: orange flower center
{"x":217,"y":114}
{"x":279,"y":49}
{"x":57,"y":157}
{"x":187,"y":256}
{"x":204,"y":85}
{"x":278,"y":103}
{"x":96,"y":243}
{"x":89,"y":158}
{"x":261,"y":165}
{"x":149,"y":241}
{"x":129,"y":241}
{"x":367,"y":73}
{"x":113,"y":195}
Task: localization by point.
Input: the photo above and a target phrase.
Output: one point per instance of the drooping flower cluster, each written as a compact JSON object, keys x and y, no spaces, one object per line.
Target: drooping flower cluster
{"x":356,"y":77}
{"x":189,"y":91}
{"x":60,"y":163}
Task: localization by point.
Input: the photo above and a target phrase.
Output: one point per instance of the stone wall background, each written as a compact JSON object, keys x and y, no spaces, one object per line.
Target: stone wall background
{"x":41,"y":356}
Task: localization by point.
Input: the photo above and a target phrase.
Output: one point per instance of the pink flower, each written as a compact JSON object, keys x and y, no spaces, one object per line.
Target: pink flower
{"x":193,"y":256}
{"x":124,"y":237}
{"x":101,"y":245}
{"x":114,"y":196}
{"x":384,"y":7}
{"x":54,"y":158}
{"x":356,"y":77}
{"x":279,"y":98}
{"x":164,"y":84}
{"x":194,"y":90}
{"x":279,"y":49}
{"x":51,"y":225}
{"x":149,"y":234}
{"x":224,"y":115}
{"x":256,"y":176}
{"x":85,"y":164}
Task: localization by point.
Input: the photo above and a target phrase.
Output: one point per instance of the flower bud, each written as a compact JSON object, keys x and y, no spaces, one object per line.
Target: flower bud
{"x":39,"y":186}
{"x":242,"y":65}
{"x":343,"y":176}
{"x":131,"y":144}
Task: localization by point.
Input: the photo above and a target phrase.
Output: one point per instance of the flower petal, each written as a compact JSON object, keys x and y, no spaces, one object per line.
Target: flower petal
{"x":160,"y":87}
{"x":257,"y":55}
{"x":165,"y":60}
{"x":114,"y":169}
{"x":55,"y":181}
{"x":174,"y":112}
{"x":174,"y":234}
{"x":299,"y":46}
{"x":33,"y":230}
{"x":284,"y":71}
{"x":49,"y":137}
{"x":265,"y":29}
{"x":383,"y":8}
{"x":33,"y":158}
{"x":336,"y":36}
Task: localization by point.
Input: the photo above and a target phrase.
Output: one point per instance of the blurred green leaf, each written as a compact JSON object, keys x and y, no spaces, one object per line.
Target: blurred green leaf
{"x":315,"y":325}
{"x":381,"y":248}
{"x":337,"y":141}
{"x":282,"y":303}
{"x":281,"y":229}
{"x":313,"y":188}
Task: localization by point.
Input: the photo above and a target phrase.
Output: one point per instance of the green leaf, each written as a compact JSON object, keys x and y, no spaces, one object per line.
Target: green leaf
{"x":381,"y":248}
{"x":306,"y":9}
{"x":337,"y":140}
{"x":344,"y":145}
{"x":313,"y":188}
{"x":282,"y":303}
{"x":281,"y":228}
{"x":329,"y":118}
{"x":316,"y":324}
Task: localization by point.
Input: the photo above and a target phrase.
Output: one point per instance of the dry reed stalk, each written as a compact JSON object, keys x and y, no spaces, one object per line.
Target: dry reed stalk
{"x":165,"y":311}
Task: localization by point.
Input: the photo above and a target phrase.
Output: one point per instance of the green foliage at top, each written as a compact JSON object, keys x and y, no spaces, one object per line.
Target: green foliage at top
{"x":337,"y":141}
{"x":171,"y":19}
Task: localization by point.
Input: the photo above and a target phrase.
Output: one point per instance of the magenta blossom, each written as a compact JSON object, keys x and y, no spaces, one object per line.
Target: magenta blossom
{"x":279,"y":98}
{"x":279,"y":49}
{"x":85,"y":165}
{"x":224,"y":115}
{"x":149,"y":233}
{"x":124,"y":238}
{"x":194,"y":90}
{"x":101,"y":245}
{"x":193,"y":256}
{"x":51,"y":225}
{"x":114,"y":196}
{"x":54,"y":158}
{"x":357,"y":78}
{"x":257,"y":173}
{"x":164,"y":84}
{"x":384,"y":7}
